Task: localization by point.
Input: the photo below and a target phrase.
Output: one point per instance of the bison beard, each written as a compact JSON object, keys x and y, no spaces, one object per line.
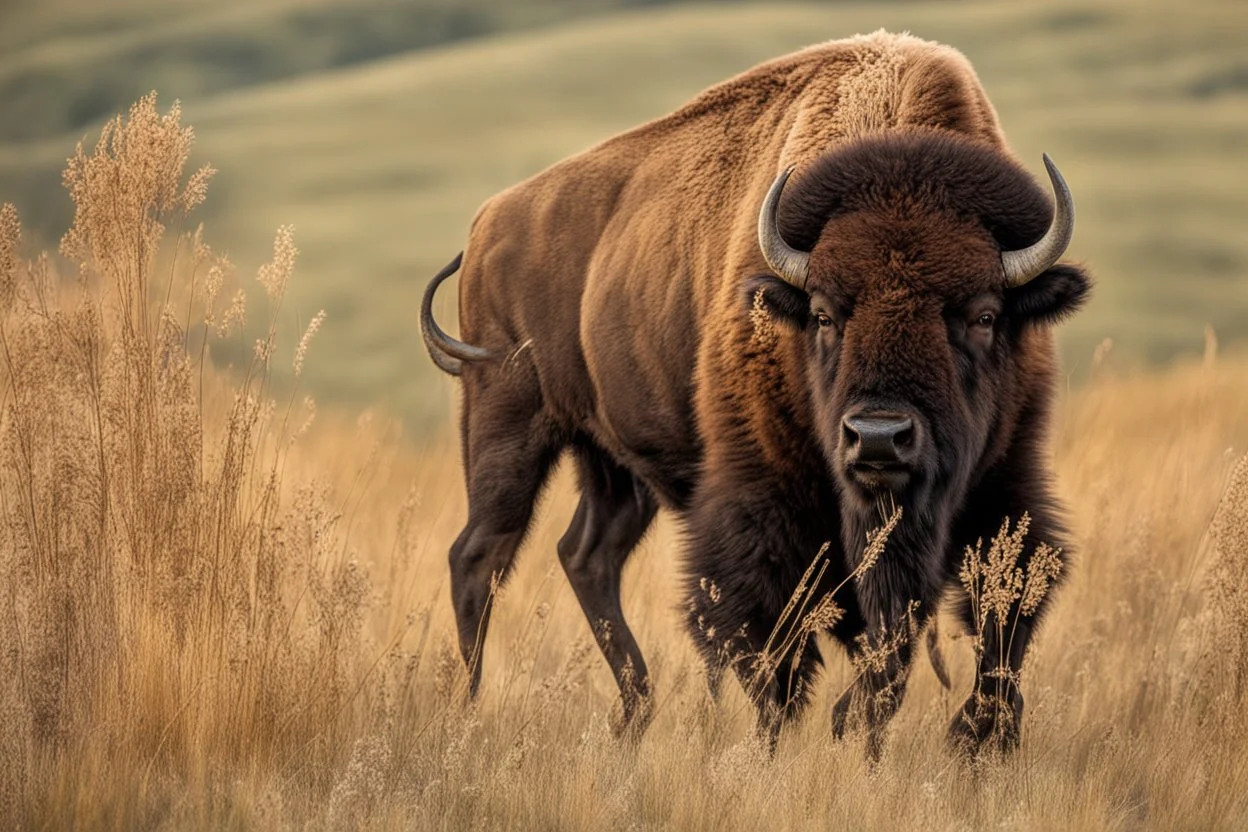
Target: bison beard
{"x":882,"y":339}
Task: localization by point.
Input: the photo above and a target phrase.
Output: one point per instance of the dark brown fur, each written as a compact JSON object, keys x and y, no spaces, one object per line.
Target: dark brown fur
{"x":616,"y":290}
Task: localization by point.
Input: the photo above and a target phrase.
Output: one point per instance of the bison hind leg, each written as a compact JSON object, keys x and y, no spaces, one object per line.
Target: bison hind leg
{"x":614,"y":513}
{"x":510,"y":447}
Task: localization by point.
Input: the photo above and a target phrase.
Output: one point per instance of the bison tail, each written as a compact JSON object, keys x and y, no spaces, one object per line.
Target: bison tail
{"x":446,"y":352}
{"x":936,"y":656}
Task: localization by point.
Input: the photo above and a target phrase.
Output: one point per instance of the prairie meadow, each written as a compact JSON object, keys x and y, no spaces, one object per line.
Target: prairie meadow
{"x":224,"y":603}
{"x":221,"y":611}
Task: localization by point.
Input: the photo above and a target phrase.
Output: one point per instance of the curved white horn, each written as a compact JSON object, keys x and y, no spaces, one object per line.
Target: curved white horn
{"x":787,"y":262}
{"x":1022,"y":265}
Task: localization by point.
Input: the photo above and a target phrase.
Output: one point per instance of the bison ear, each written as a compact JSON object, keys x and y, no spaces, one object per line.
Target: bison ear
{"x":1050,"y":296}
{"x":780,"y":298}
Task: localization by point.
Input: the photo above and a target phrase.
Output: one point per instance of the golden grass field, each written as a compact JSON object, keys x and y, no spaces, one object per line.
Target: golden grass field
{"x":220,"y":609}
{"x":218,"y":612}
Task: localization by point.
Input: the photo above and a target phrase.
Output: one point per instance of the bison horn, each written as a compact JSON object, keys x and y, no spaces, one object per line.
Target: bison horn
{"x":1022,"y":265}
{"x":787,"y":262}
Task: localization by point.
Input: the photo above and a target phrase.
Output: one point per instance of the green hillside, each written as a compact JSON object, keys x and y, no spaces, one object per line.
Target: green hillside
{"x":68,"y":62}
{"x":381,"y":164}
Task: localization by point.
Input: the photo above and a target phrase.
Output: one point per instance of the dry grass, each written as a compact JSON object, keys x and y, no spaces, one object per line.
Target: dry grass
{"x":213,"y":615}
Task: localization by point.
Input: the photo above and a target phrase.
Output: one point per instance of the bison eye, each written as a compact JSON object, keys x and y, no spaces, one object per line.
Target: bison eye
{"x":823,"y":319}
{"x":986,"y":320}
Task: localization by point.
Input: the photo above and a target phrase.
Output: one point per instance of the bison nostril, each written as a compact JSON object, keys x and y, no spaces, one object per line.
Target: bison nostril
{"x":849,"y":436}
{"x":904,"y":438}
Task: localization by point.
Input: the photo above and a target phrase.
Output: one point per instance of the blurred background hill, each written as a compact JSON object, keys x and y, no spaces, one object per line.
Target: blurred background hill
{"x":377,"y":127}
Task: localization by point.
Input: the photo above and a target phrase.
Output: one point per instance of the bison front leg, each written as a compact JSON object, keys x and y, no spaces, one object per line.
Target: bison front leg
{"x":780,"y":690}
{"x":883,"y":657}
{"x":753,"y":606}
{"x":1007,"y":592}
{"x":775,"y":671}
{"x":991,"y":718}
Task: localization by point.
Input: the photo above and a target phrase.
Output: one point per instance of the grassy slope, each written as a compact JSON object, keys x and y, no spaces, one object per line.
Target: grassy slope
{"x":381,"y":167}
{"x":67,"y":62}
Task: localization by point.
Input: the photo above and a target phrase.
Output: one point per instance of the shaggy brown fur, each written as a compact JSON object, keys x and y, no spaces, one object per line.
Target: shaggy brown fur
{"x":614,"y":292}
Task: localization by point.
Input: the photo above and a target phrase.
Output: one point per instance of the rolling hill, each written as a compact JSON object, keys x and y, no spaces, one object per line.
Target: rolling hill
{"x":380,"y":162}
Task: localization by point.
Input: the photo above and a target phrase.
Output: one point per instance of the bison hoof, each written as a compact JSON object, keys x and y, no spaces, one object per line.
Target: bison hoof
{"x":853,"y":713}
{"x":847,"y":713}
{"x":987,"y":725}
{"x":630,"y":722}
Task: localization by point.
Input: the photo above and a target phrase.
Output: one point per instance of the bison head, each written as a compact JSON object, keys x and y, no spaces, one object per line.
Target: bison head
{"x":921,"y":270}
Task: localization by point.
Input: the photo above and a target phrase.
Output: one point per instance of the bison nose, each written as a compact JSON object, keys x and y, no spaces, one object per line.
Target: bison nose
{"x":878,"y":438}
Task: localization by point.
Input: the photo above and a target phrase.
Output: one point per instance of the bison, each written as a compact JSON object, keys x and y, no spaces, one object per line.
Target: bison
{"x":773,"y":361}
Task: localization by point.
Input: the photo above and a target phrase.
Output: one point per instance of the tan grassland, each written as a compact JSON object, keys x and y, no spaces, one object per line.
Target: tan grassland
{"x":216,"y":612}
